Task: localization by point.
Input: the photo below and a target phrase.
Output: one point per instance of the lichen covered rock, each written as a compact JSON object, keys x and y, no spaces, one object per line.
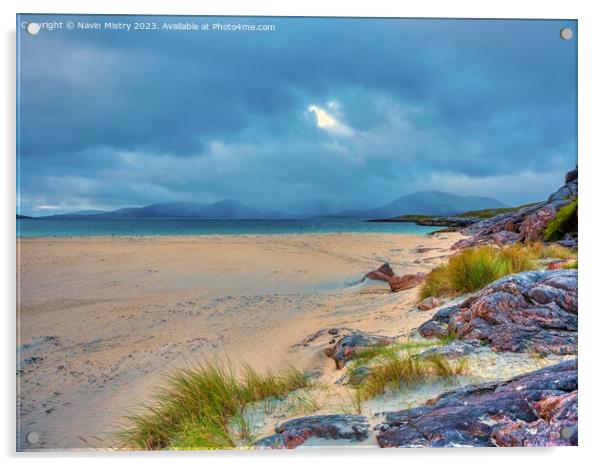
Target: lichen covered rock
{"x":295,"y":432}
{"x":528,"y":311}
{"x":347,"y":347}
{"x":538,"y":408}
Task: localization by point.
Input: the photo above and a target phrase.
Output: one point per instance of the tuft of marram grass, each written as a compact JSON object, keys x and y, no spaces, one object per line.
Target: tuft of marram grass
{"x":198,"y":403}
{"x":407,"y":368}
{"x":472,"y":269}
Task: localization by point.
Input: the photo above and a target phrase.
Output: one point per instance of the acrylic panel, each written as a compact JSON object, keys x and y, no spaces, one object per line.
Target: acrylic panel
{"x":289,"y":232}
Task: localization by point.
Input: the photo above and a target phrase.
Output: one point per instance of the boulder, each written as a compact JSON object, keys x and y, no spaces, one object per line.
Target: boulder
{"x":346,"y":348}
{"x":383,"y":273}
{"x":438,"y":325}
{"x":396,"y":283}
{"x":528,"y":311}
{"x":295,"y":432}
{"x":429,"y":303}
{"x":405,"y":282}
{"x":537,"y":408}
{"x":505,"y":237}
{"x":533,"y":225}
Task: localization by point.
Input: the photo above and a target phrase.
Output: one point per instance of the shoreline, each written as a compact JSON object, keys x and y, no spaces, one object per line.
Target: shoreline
{"x":229,"y":235}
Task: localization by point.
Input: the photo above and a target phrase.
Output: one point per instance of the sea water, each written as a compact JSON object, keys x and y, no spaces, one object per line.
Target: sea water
{"x":30,"y":228}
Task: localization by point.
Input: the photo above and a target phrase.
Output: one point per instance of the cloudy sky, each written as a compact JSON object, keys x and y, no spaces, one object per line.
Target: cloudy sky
{"x":339,"y":112}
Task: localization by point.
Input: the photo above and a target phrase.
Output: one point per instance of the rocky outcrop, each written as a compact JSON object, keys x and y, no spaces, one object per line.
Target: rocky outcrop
{"x":396,"y":283}
{"x":531,"y":228}
{"x":451,"y":222}
{"x":438,"y":325}
{"x":523,"y":225}
{"x":295,"y":432}
{"x":347,"y":347}
{"x":534,"y":409}
{"x":529,"y":311}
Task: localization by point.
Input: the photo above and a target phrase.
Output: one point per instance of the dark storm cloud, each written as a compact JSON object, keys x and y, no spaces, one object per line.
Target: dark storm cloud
{"x":353,"y":111}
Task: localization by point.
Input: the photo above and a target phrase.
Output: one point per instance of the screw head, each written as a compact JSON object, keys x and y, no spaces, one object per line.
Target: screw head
{"x":32,"y":437}
{"x":32,"y":28}
{"x":566,"y":33}
{"x":566,"y":432}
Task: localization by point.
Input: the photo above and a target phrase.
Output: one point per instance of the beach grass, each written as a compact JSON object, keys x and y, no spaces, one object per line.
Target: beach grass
{"x":393,"y":368}
{"x":473,"y":268}
{"x":198,"y":403}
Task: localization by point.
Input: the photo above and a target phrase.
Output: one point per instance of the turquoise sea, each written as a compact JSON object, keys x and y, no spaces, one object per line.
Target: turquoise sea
{"x":31,"y":228}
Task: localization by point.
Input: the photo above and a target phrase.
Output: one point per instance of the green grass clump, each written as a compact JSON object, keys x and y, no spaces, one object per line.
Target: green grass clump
{"x":365,"y":355}
{"x":572,"y":265}
{"x":474,"y":268}
{"x":437,"y":283}
{"x":198,"y":403}
{"x":564,"y":222}
{"x":396,"y":369}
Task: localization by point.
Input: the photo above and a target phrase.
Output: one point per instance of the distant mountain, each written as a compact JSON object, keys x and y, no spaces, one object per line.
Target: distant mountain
{"x":88,"y":212}
{"x":226,"y":209}
{"x":23,"y":216}
{"x":426,"y":203}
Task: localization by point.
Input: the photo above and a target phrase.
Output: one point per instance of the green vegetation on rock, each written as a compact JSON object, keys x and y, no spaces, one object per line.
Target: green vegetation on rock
{"x":564,"y":222}
{"x":572,"y":265}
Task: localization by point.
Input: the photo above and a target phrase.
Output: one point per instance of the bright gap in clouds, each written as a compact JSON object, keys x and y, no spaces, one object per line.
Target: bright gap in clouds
{"x":328,"y":122}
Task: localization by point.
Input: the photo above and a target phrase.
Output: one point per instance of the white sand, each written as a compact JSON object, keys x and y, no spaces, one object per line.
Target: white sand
{"x":101,"y":319}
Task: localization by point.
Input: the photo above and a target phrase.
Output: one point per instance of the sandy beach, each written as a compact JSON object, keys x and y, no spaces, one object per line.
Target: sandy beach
{"x":102,"y":319}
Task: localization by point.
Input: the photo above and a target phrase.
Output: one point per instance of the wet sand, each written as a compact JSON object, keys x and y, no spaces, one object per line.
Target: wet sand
{"x":102,"y":319}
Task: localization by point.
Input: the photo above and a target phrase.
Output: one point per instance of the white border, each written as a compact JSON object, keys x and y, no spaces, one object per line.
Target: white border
{"x":590,"y":151}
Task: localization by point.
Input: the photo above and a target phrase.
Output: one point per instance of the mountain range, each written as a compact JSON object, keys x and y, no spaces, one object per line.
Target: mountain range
{"x":427,"y":203}
{"x":423,"y":202}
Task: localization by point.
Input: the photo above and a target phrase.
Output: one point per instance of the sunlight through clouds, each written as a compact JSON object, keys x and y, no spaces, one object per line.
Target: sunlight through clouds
{"x":327,"y":121}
